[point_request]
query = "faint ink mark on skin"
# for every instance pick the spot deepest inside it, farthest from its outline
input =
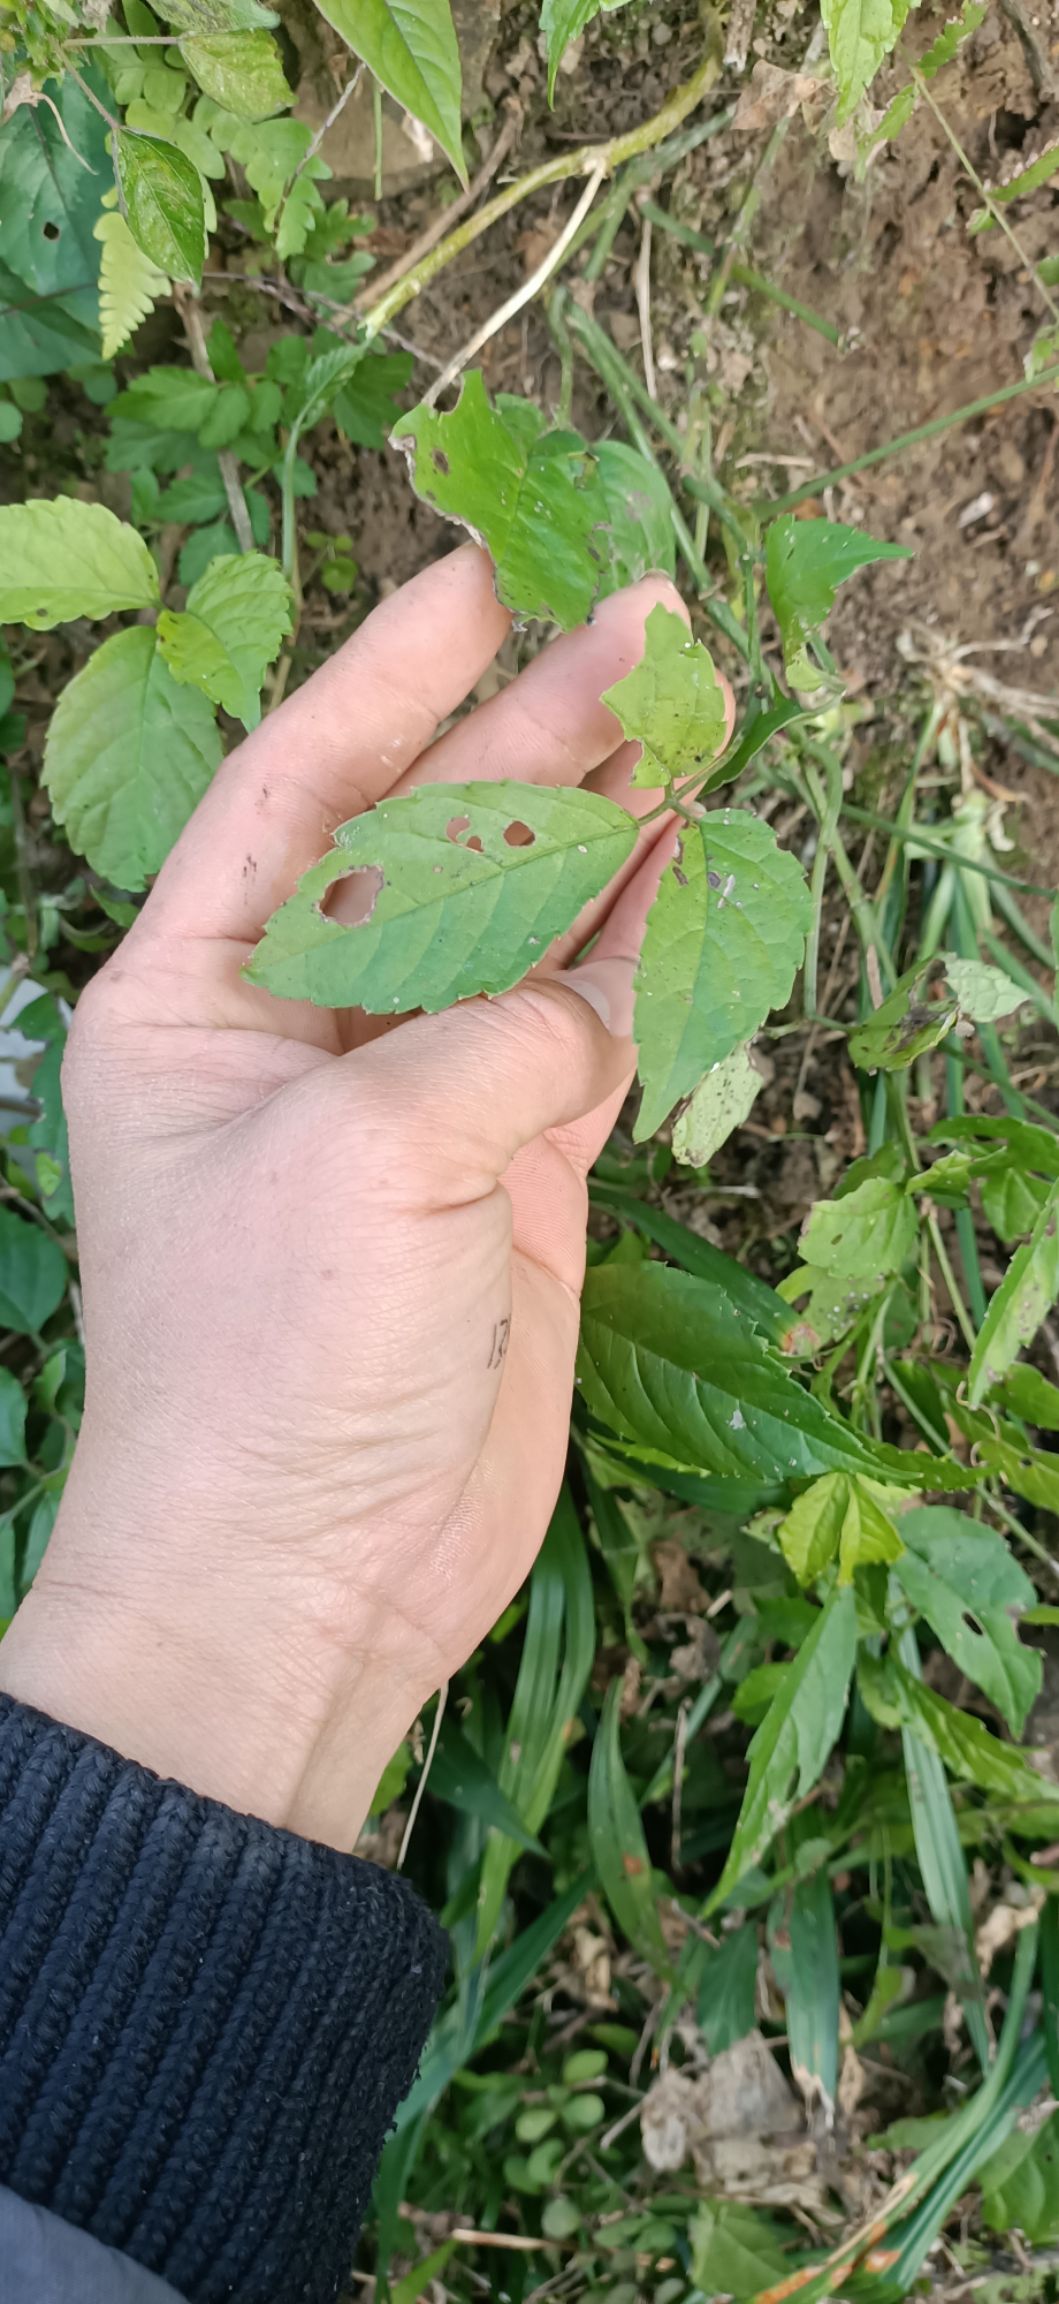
(499, 1345)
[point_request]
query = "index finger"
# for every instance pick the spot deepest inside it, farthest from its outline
(336, 746)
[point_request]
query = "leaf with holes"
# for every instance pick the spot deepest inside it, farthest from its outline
(61, 558)
(411, 47)
(805, 562)
(671, 704)
(163, 197)
(716, 1108)
(464, 887)
(564, 523)
(128, 755)
(53, 161)
(1025, 1296)
(852, 1246)
(789, 1752)
(236, 617)
(724, 938)
(962, 1578)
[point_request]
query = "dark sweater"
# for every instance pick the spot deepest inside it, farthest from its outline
(206, 2026)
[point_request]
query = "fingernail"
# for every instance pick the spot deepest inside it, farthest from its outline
(607, 985)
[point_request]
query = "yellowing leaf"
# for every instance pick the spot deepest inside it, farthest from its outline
(724, 938)
(805, 562)
(671, 703)
(129, 284)
(719, 1105)
(461, 887)
(61, 558)
(564, 523)
(411, 46)
(230, 632)
(164, 202)
(838, 1518)
(127, 757)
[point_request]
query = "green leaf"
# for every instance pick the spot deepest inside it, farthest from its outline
(851, 1246)
(984, 993)
(128, 756)
(803, 1942)
(684, 1378)
(565, 524)
(728, 1990)
(162, 192)
(671, 704)
(563, 21)
(243, 71)
(53, 161)
(1030, 1395)
(838, 1518)
(860, 33)
(366, 407)
(906, 1025)
(724, 938)
(33, 1274)
(230, 632)
(941, 52)
(1023, 1299)
(61, 558)
(456, 898)
(411, 47)
(962, 1578)
(129, 284)
(1020, 2185)
(789, 1752)
(970, 1753)
(615, 1837)
(942, 1863)
(460, 1776)
(1036, 172)
(214, 15)
(12, 1418)
(735, 2251)
(805, 562)
(717, 1107)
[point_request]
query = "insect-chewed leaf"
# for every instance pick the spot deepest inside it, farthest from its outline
(411, 46)
(724, 938)
(790, 1749)
(671, 703)
(805, 562)
(564, 523)
(128, 756)
(962, 1578)
(860, 34)
(464, 887)
(1026, 1293)
(61, 558)
(164, 203)
(851, 1247)
(984, 993)
(718, 1106)
(129, 284)
(223, 641)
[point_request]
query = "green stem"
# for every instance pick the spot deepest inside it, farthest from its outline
(768, 506)
(915, 834)
(745, 274)
(944, 1263)
(584, 161)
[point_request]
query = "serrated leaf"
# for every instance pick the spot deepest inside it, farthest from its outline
(1025, 180)
(724, 938)
(851, 1247)
(970, 1752)
(616, 1840)
(941, 52)
(457, 900)
(683, 1377)
(129, 284)
(242, 71)
(671, 704)
(236, 617)
(984, 993)
(718, 1106)
(33, 1274)
(163, 196)
(860, 33)
(269, 151)
(805, 562)
(789, 1752)
(563, 21)
(411, 47)
(838, 1518)
(60, 558)
(961, 1577)
(1015, 1312)
(564, 523)
(128, 755)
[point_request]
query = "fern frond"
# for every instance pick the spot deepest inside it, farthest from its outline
(129, 284)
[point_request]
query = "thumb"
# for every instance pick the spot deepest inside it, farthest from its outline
(480, 1082)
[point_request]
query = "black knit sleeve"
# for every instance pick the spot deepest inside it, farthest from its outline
(206, 2024)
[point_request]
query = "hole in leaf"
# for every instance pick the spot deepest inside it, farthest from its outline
(352, 900)
(440, 462)
(50, 230)
(971, 1624)
(518, 835)
(456, 827)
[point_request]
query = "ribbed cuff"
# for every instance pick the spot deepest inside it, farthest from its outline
(206, 2024)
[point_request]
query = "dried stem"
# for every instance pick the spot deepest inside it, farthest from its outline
(187, 305)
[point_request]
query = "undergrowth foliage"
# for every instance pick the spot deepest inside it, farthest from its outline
(861, 1478)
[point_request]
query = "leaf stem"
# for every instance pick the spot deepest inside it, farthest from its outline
(584, 161)
(191, 319)
(523, 295)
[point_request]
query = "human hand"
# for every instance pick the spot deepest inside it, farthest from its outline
(331, 1272)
